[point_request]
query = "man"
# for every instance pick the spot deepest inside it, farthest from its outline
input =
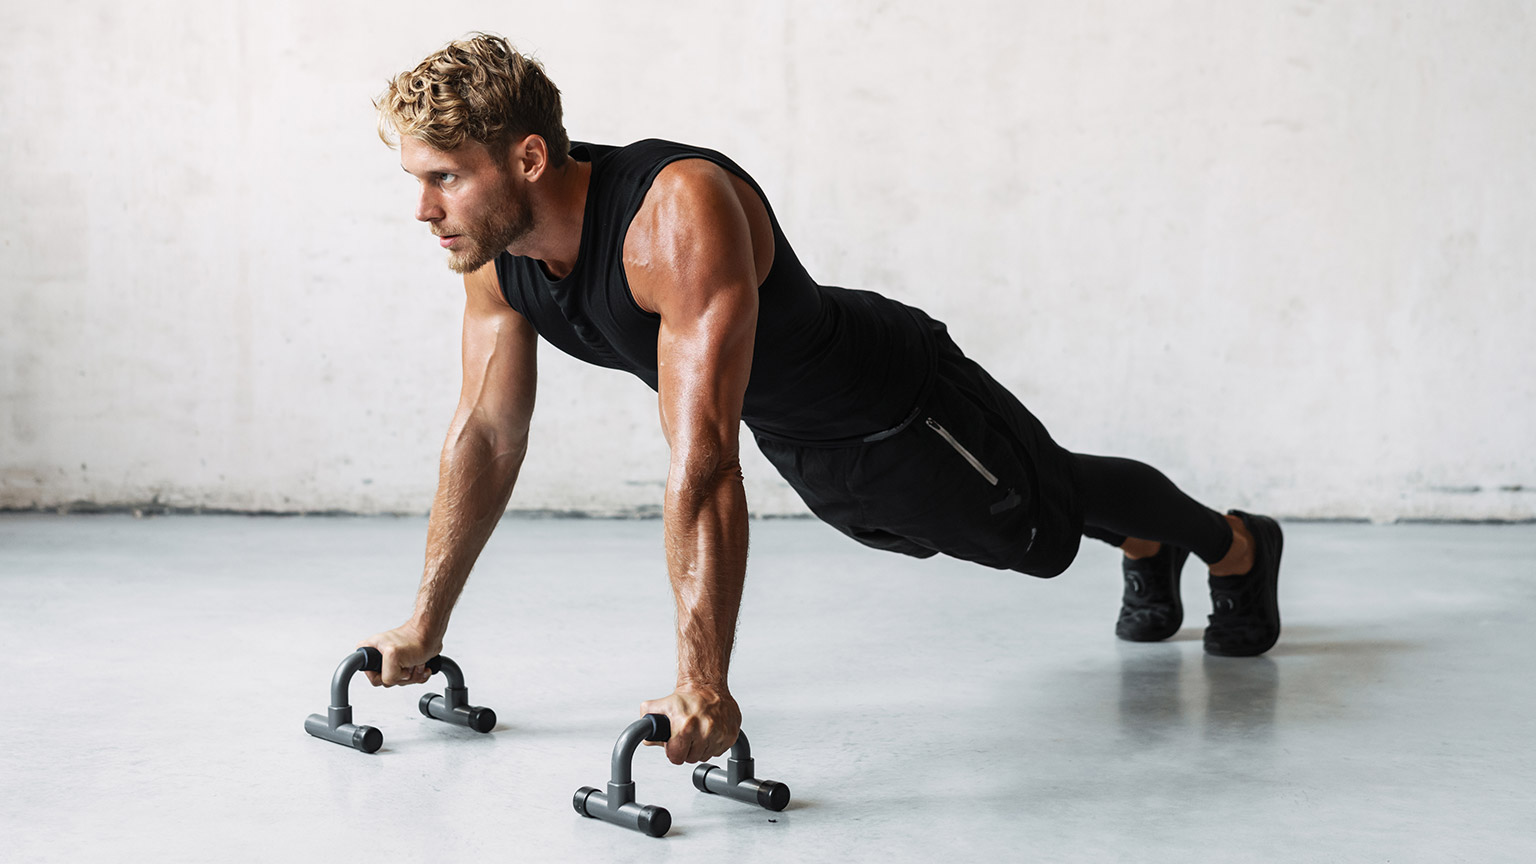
(666, 261)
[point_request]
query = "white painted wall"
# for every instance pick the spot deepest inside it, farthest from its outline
(1284, 251)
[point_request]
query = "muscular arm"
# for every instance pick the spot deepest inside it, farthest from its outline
(480, 461)
(690, 258)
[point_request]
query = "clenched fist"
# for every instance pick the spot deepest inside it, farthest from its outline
(405, 651)
(705, 722)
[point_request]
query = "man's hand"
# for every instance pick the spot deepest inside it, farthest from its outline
(705, 722)
(406, 651)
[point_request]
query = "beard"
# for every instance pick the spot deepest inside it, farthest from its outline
(484, 237)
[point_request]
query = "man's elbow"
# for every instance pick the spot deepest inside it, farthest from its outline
(511, 444)
(498, 443)
(701, 469)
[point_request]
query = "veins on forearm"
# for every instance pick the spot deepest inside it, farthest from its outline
(474, 484)
(706, 530)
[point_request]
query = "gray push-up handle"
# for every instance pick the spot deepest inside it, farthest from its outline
(451, 707)
(618, 806)
(736, 780)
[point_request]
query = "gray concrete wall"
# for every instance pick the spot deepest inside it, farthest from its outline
(1282, 250)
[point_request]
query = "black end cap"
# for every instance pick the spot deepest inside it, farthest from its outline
(482, 719)
(423, 706)
(368, 739)
(661, 730)
(655, 821)
(699, 774)
(435, 664)
(373, 660)
(580, 800)
(773, 795)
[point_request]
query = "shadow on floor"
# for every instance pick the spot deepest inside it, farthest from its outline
(1162, 689)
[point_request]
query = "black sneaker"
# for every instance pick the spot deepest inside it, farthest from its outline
(1246, 617)
(1150, 609)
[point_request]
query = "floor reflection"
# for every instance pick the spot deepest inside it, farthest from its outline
(1230, 696)
(1240, 695)
(1151, 702)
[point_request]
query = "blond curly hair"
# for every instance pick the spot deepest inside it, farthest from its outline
(478, 89)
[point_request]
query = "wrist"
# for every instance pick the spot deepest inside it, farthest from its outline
(704, 684)
(427, 632)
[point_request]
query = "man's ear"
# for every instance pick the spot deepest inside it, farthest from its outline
(528, 157)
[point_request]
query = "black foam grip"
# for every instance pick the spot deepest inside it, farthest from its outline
(373, 661)
(435, 664)
(661, 728)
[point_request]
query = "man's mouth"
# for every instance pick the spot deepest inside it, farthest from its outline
(447, 240)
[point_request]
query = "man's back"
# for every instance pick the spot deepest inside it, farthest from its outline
(829, 363)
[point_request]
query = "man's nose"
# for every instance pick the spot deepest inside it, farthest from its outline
(427, 209)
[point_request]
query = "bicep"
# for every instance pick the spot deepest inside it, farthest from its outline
(499, 360)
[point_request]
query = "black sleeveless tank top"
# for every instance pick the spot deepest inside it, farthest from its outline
(830, 365)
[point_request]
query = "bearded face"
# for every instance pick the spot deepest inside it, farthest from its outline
(501, 219)
(470, 198)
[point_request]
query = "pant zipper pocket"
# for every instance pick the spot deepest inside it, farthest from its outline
(975, 463)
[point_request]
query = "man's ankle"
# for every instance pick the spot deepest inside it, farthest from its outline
(1239, 559)
(1135, 548)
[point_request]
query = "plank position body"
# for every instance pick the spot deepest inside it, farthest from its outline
(667, 261)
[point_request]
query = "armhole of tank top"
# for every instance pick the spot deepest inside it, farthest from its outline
(645, 189)
(501, 260)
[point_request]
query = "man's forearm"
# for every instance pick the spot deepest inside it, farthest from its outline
(475, 481)
(706, 540)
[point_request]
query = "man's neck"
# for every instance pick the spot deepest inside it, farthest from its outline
(558, 211)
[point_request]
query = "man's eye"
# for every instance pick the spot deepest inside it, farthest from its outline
(445, 178)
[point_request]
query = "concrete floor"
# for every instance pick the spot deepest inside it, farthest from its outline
(161, 670)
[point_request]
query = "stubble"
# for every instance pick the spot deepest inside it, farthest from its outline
(485, 236)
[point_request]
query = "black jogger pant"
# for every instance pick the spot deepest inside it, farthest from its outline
(973, 474)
